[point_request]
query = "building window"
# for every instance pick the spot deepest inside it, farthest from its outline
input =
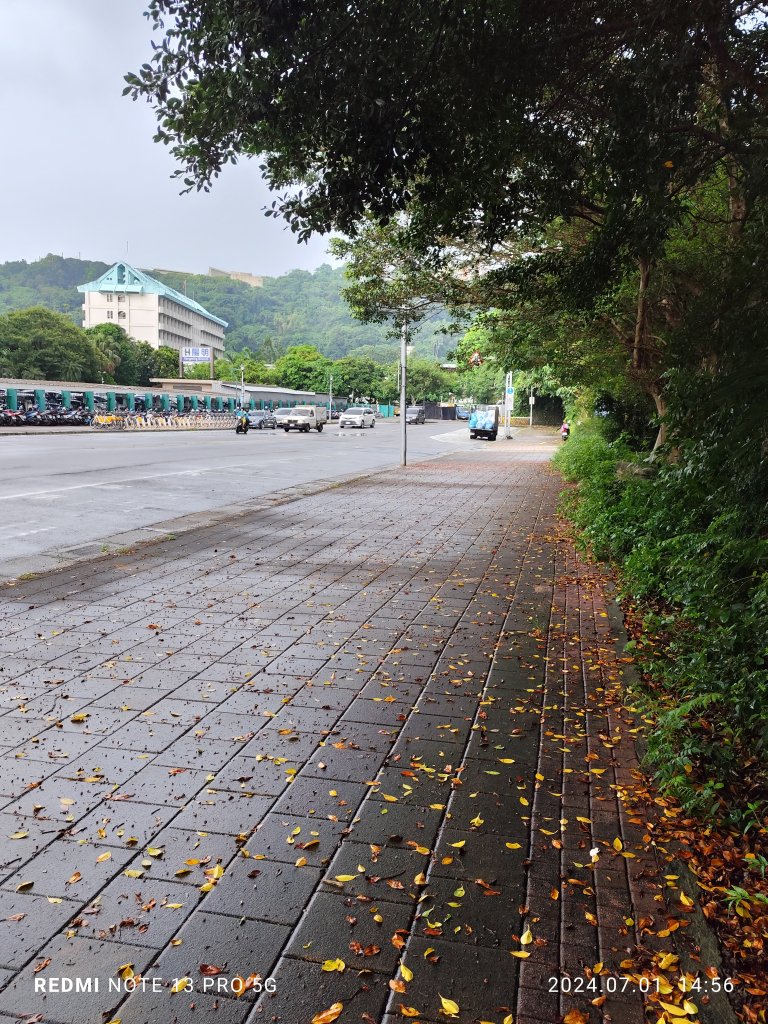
(110, 296)
(121, 298)
(121, 315)
(110, 314)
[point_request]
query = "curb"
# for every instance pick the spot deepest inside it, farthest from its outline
(26, 431)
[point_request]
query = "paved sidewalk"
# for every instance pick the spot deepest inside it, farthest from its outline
(367, 745)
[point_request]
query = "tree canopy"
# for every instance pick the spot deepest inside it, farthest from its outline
(501, 116)
(38, 343)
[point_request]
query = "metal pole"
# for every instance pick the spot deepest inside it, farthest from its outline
(242, 387)
(508, 408)
(403, 361)
(330, 398)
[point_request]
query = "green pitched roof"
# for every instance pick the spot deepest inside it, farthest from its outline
(125, 278)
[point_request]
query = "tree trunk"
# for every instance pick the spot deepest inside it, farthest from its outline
(661, 410)
(640, 353)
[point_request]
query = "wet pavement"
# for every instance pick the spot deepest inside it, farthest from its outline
(359, 757)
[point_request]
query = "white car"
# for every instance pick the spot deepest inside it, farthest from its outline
(358, 416)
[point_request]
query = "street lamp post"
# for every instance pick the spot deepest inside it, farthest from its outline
(330, 396)
(242, 387)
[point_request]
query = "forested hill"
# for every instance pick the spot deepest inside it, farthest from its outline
(298, 308)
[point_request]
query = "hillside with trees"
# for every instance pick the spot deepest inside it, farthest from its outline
(298, 308)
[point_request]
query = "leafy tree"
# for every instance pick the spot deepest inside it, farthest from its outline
(605, 134)
(165, 362)
(424, 380)
(111, 343)
(38, 343)
(482, 384)
(357, 378)
(611, 123)
(303, 368)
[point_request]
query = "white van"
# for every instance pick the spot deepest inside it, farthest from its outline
(304, 418)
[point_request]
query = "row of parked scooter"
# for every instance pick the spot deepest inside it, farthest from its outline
(51, 417)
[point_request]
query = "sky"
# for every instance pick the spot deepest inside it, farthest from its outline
(79, 172)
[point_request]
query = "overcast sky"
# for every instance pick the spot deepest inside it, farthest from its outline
(79, 173)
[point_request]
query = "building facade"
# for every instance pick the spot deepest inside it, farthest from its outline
(150, 311)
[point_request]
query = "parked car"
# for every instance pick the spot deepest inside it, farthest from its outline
(462, 414)
(261, 418)
(358, 416)
(415, 414)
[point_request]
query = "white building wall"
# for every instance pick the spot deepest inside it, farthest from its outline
(153, 318)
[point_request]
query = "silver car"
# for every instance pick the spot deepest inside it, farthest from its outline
(358, 416)
(281, 415)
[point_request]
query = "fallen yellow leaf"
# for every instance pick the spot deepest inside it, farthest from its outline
(329, 1015)
(675, 1011)
(334, 965)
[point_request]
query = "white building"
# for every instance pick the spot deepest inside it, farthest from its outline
(150, 311)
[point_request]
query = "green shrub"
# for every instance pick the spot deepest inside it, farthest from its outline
(692, 548)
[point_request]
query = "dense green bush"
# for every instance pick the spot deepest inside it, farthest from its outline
(692, 546)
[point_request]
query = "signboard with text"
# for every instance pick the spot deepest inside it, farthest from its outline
(191, 354)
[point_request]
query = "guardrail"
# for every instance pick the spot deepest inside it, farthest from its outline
(161, 421)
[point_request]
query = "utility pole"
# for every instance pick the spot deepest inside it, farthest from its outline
(330, 396)
(242, 387)
(403, 363)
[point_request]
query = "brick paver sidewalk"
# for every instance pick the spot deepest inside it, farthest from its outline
(367, 746)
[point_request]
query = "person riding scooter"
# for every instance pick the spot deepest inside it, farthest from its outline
(565, 430)
(243, 422)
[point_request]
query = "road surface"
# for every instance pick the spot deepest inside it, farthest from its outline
(59, 492)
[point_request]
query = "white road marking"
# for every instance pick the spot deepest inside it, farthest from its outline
(120, 484)
(28, 533)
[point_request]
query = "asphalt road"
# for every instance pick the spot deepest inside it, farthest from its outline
(60, 492)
